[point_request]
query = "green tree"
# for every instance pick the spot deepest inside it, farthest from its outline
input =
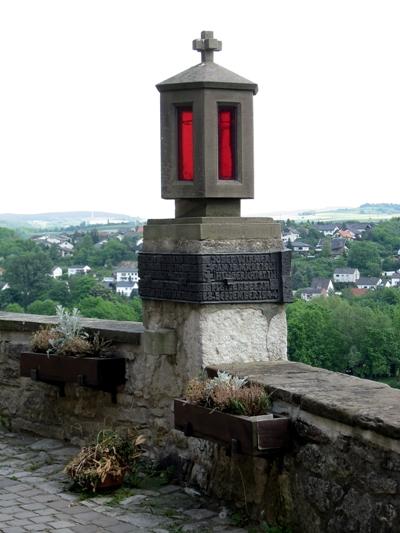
(42, 307)
(14, 308)
(27, 275)
(364, 255)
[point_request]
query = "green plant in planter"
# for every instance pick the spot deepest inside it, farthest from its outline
(228, 394)
(69, 338)
(104, 463)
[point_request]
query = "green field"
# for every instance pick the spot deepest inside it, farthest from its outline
(340, 215)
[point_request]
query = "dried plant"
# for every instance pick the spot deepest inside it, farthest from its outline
(229, 394)
(69, 338)
(196, 390)
(76, 346)
(43, 338)
(110, 456)
(99, 346)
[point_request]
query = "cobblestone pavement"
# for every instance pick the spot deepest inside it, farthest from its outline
(34, 496)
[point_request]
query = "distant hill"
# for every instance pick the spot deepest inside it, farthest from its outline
(365, 212)
(64, 219)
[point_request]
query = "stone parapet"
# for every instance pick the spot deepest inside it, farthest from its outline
(363, 405)
(341, 472)
(152, 379)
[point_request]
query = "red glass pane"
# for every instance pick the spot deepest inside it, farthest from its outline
(226, 143)
(185, 144)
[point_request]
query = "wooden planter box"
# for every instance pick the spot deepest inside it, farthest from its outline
(102, 373)
(250, 435)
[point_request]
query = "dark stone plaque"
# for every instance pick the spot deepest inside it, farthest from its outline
(216, 278)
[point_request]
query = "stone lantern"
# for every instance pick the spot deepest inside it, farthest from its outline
(219, 280)
(207, 136)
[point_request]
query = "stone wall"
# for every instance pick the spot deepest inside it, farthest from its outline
(341, 473)
(152, 379)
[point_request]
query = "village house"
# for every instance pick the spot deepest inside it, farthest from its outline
(125, 288)
(320, 287)
(327, 229)
(126, 274)
(56, 272)
(324, 284)
(290, 235)
(299, 246)
(358, 228)
(309, 293)
(395, 280)
(368, 283)
(66, 249)
(346, 275)
(78, 269)
(346, 234)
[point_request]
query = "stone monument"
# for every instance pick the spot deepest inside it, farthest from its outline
(218, 279)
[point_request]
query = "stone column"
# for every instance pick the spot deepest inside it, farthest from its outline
(212, 333)
(218, 279)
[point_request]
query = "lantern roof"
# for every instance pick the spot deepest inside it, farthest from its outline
(207, 74)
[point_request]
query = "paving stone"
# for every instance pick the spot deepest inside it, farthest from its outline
(121, 528)
(32, 506)
(39, 500)
(134, 500)
(46, 444)
(45, 498)
(20, 522)
(60, 524)
(144, 520)
(43, 519)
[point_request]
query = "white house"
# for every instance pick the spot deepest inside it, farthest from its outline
(309, 294)
(320, 287)
(395, 280)
(74, 270)
(327, 229)
(126, 274)
(56, 272)
(368, 283)
(290, 235)
(346, 275)
(66, 249)
(299, 246)
(323, 284)
(126, 288)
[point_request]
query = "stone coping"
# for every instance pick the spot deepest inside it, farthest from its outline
(116, 330)
(353, 401)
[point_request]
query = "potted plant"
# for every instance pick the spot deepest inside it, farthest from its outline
(230, 410)
(103, 464)
(66, 353)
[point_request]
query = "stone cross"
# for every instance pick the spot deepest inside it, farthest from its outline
(207, 45)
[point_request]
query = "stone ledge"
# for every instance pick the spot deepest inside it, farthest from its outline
(356, 402)
(118, 331)
(212, 228)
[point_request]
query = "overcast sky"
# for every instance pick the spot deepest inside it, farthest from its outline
(79, 111)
